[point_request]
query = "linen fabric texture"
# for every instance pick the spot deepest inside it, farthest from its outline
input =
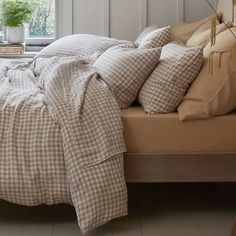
(145, 32)
(85, 46)
(183, 31)
(203, 37)
(125, 68)
(164, 133)
(61, 139)
(164, 90)
(214, 91)
(157, 38)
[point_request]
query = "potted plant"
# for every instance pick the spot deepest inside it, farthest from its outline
(14, 14)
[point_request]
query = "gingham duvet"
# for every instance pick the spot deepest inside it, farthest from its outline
(61, 139)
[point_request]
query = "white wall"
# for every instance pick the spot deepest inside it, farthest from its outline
(126, 18)
(197, 9)
(87, 16)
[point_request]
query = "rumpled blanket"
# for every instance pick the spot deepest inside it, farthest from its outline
(61, 139)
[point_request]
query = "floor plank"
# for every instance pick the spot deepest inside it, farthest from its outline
(154, 209)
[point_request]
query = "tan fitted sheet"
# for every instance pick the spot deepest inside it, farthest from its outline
(166, 134)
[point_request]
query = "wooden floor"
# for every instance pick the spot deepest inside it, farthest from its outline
(155, 210)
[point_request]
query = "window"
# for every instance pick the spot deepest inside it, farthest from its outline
(52, 19)
(42, 26)
(1, 27)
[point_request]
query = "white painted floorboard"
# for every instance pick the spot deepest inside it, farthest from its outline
(155, 210)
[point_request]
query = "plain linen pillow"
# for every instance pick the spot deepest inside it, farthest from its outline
(213, 94)
(157, 38)
(85, 46)
(145, 32)
(203, 37)
(182, 32)
(125, 68)
(165, 88)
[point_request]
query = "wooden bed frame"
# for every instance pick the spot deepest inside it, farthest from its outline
(208, 167)
(153, 168)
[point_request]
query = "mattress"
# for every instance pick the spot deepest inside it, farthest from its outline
(166, 134)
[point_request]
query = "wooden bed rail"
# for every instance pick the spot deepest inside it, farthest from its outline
(154, 168)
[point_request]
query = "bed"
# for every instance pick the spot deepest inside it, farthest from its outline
(62, 137)
(163, 149)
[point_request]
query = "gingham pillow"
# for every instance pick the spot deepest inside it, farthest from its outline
(164, 90)
(85, 46)
(145, 32)
(157, 38)
(125, 69)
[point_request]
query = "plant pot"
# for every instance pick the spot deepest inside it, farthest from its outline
(16, 34)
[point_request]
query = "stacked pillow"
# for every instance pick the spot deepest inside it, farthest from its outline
(156, 38)
(213, 93)
(203, 35)
(125, 68)
(145, 32)
(165, 88)
(182, 32)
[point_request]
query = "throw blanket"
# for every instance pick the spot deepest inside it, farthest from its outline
(61, 139)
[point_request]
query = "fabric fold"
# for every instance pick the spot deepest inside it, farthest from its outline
(62, 139)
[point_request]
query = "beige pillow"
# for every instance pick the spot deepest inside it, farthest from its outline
(182, 32)
(203, 37)
(224, 42)
(145, 32)
(205, 26)
(125, 69)
(157, 38)
(213, 94)
(165, 88)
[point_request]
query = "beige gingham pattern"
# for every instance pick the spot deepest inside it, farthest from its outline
(87, 47)
(125, 68)
(157, 38)
(164, 90)
(61, 139)
(145, 32)
(32, 169)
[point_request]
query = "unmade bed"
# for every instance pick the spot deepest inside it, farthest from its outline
(63, 135)
(61, 139)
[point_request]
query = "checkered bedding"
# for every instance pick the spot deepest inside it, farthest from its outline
(61, 139)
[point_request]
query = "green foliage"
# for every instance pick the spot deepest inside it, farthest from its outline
(16, 12)
(42, 23)
(1, 15)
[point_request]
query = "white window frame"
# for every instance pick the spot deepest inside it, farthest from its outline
(64, 23)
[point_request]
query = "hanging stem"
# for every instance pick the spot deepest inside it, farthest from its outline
(212, 7)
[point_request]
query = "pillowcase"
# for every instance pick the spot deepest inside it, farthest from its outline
(125, 68)
(145, 32)
(213, 93)
(182, 32)
(224, 42)
(203, 37)
(165, 88)
(87, 47)
(206, 26)
(157, 38)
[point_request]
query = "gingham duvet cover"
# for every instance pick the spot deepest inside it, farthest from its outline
(61, 139)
